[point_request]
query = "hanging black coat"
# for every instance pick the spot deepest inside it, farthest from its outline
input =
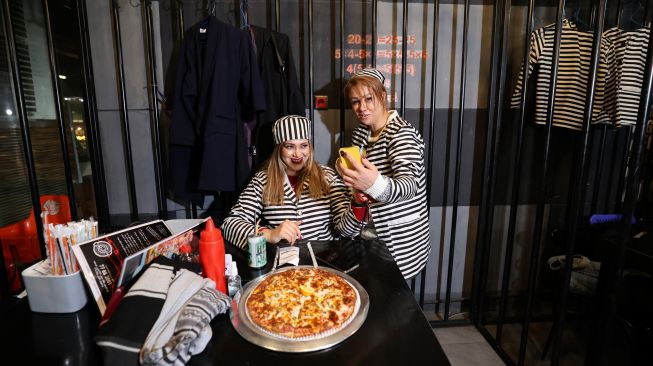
(218, 84)
(281, 85)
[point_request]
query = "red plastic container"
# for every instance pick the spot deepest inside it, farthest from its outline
(212, 255)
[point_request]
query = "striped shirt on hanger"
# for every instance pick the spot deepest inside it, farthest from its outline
(624, 88)
(572, 79)
(322, 219)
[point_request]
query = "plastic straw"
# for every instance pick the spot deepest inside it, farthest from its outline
(310, 250)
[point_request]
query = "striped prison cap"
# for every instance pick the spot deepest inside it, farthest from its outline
(291, 128)
(371, 72)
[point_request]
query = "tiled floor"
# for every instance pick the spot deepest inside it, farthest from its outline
(465, 346)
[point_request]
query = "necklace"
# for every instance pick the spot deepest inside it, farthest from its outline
(372, 138)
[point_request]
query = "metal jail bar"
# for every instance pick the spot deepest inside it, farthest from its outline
(341, 138)
(516, 176)
(596, 187)
(459, 149)
(432, 104)
(277, 15)
(497, 87)
(153, 87)
(124, 113)
(311, 91)
(632, 191)
(57, 108)
(404, 49)
(91, 118)
(495, 118)
(374, 30)
(576, 205)
(598, 174)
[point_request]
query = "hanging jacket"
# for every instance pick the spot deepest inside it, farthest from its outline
(282, 93)
(624, 88)
(573, 75)
(218, 84)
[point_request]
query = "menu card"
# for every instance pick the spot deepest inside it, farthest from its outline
(111, 260)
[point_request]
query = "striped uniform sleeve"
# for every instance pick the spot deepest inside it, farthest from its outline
(242, 218)
(406, 158)
(344, 222)
(537, 44)
(601, 112)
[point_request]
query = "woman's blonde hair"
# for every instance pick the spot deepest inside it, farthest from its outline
(371, 83)
(276, 172)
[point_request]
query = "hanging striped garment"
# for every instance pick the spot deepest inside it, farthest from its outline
(321, 219)
(572, 79)
(401, 221)
(624, 87)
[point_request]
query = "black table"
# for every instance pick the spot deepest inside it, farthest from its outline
(394, 333)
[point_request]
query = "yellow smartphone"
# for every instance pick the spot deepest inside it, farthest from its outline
(354, 152)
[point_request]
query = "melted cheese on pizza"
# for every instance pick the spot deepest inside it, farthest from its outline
(301, 302)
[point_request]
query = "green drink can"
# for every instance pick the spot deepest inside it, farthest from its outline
(257, 257)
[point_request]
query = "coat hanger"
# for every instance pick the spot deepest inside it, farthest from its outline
(575, 16)
(210, 8)
(632, 19)
(630, 4)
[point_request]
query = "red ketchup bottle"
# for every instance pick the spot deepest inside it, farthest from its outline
(212, 255)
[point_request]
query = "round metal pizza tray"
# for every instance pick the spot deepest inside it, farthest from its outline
(251, 332)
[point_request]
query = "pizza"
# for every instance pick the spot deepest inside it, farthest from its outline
(302, 302)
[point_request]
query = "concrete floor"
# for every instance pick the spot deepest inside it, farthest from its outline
(465, 346)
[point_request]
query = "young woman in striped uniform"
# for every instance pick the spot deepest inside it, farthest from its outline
(392, 178)
(293, 196)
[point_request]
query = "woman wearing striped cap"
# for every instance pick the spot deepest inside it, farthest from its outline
(392, 177)
(293, 196)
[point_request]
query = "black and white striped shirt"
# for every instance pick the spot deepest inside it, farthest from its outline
(322, 219)
(626, 73)
(573, 75)
(402, 220)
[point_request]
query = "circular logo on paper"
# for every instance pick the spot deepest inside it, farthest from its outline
(51, 207)
(102, 249)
